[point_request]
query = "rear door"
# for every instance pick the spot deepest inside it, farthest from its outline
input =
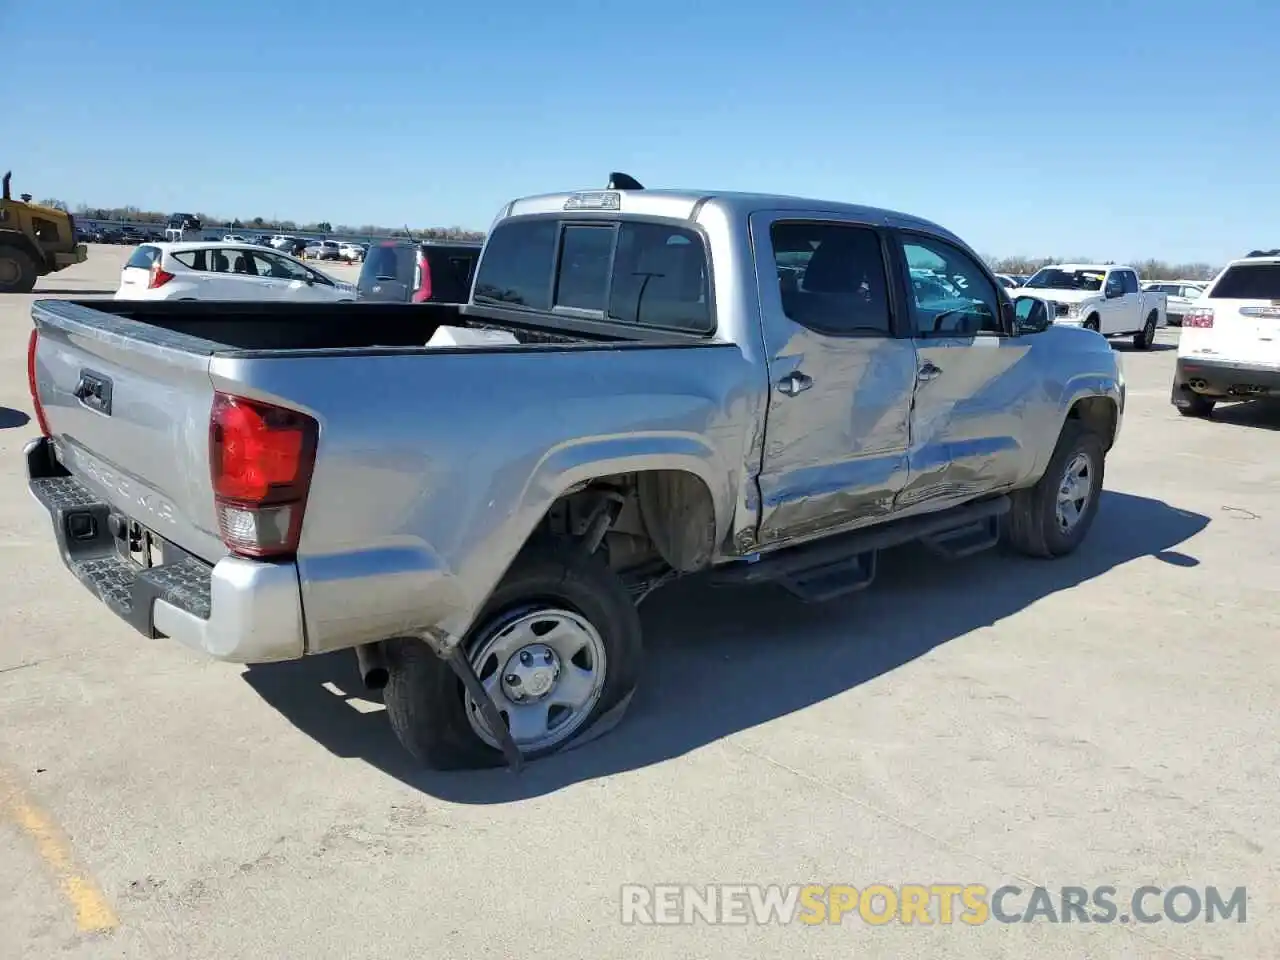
(841, 377)
(137, 270)
(387, 273)
(1246, 314)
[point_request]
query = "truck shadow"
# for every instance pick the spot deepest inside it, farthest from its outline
(724, 660)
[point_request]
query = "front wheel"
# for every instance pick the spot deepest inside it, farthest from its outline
(17, 271)
(556, 647)
(1092, 323)
(1052, 518)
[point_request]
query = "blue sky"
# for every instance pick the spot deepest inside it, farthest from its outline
(1119, 130)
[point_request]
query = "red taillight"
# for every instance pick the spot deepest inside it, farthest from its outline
(260, 458)
(32, 345)
(421, 279)
(158, 277)
(1201, 317)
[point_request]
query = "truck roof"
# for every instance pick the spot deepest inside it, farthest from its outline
(686, 204)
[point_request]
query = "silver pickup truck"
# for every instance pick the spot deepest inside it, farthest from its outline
(644, 384)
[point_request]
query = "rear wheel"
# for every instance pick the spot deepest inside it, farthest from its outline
(1193, 405)
(17, 271)
(556, 647)
(1144, 338)
(1052, 518)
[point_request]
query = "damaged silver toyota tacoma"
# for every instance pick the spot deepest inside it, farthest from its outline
(644, 384)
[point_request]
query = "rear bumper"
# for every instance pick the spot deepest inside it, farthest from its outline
(1224, 379)
(244, 611)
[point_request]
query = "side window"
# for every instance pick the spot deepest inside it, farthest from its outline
(516, 265)
(195, 259)
(951, 295)
(279, 268)
(832, 277)
(1115, 284)
(583, 278)
(1191, 293)
(660, 278)
(1130, 280)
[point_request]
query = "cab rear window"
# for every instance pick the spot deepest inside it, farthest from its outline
(647, 273)
(1248, 281)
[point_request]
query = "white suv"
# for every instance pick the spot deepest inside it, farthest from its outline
(1230, 343)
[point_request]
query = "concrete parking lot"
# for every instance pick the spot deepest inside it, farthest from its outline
(1107, 719)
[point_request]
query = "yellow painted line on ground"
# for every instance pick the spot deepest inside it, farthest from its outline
(93, 911)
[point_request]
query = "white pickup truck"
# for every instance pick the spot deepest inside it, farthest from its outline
(1106, 298)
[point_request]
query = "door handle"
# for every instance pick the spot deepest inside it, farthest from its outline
(928, 371)
(794, 383)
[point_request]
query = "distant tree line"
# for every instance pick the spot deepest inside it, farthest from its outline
(1147, 269)
(136, 215)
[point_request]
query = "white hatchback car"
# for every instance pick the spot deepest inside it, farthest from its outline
(224, 271)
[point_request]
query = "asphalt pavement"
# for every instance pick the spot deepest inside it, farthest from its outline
(1108, 719)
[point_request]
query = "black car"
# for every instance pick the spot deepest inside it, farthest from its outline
(426, 271)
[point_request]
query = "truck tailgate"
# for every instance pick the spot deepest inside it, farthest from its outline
(127, 407)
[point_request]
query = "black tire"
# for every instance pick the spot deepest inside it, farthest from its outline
(18, 271)
(1092, 323)
(1193, 405)
(425, 698)
(1032, 528)
(1144, 338)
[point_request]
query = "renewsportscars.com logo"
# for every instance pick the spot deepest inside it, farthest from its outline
(925, 904)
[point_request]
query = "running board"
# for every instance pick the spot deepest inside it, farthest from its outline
(834, 566)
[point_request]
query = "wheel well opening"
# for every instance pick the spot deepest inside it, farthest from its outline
(1098, 415)
(646, 520)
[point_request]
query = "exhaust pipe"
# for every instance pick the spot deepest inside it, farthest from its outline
(1197, 384)
(372, 664)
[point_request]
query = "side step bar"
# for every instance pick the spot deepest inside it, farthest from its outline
(835, 566)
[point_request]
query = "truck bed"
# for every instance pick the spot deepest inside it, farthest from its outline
(209, 327)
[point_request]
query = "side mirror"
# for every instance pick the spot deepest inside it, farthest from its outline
(1112, 293)
(1030, 315)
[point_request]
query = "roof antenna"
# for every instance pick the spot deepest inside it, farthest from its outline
(621, 181)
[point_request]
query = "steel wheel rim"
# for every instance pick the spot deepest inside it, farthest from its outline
(545, 670)
(1075, 491)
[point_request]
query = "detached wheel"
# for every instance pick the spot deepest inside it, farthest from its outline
(556, 647)
(1144, 338)
(17, 271)
(1052, 518)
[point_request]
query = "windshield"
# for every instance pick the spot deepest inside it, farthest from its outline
(1055, 278)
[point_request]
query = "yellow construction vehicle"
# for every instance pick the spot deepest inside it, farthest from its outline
(34, 240)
